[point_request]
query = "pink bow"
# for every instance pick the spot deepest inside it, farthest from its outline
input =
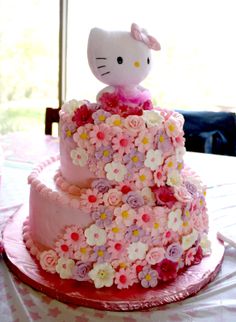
(141, 35)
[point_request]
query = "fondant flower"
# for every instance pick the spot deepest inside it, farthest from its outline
(81, 137)
(160, 221)
(48, 260)
(83, 115)
(148, 277)
(110, 102)
(155, 255)
(159, 177)
(134, 160)
(116, 248)
(134, 233)
(153, 159)
(182, 194)
(122, 142)
(83, 252)
(104, 153)
(114, 120)
(63, 248)
(79, 157)
(166, 269)
(133, 199)
(102, 216)
(74, 236)
(144, 141)
(112, 197)
(67, 130)
(189, 240)
(198, 256)
(175, 220)
(205, 245)
(115, 171)
(116, 231)
(95, 235)
(164, 143)
(145, 216)
(179, 153)
(174, 252)
(65, 267)
(102, 275)
(100, 254)
(148, 196)
(124, 215)
(72, 105)
(81, 270)
(90, 199)
(134, 124)
(169, 236)
(100, 116)
(174, 178)
(153, 118)
(137, 250)
(100, 135)
(143, 178)
(189, 256)
(164, 196)
(173, 127)
(124, 278)
(101, 185)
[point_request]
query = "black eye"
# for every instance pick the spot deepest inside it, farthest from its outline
(119, 60)
(148, 60)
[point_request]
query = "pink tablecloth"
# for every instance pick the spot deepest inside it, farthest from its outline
(217, 302)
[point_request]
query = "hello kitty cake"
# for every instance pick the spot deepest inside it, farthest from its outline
(118, 207)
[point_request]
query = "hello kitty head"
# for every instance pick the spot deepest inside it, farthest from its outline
(121, 58)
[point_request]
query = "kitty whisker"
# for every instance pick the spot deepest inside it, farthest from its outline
(100, 57)
(105, 73)
(102, 66)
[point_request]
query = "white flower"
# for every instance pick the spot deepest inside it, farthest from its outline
(79, 157)
(115, 171)
(154, 158)
(102, 275)
(205, 243)
(95, 235)
(65, 267)
(72, 105)
(179, 153)
(137, 250)
(152, 118)
(174, 220)
(174, 178)
(189, 240)
(148, 196)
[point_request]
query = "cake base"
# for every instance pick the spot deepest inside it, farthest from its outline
(70, 291)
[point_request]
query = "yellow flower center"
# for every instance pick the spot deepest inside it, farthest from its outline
(103, 216)
(115, 230)
(122, 265)
(106, 153)
(100, 253)
(148, 277)
(180, 166)
(101, 118)
(171, 127)
(102, 274)
(145, 140)
(156, 225)
(135, 232)
(125, 214)
(187, 213)
(185, 224)
(142, 177)
(84, 136)
(83, 250)
(161, 138)
(117, 122)
(170, 164)
(135, 159)
(68, 133)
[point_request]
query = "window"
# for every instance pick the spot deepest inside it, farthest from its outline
(28, 62)
(196, 68)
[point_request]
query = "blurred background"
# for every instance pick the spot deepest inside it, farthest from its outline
(43, 54)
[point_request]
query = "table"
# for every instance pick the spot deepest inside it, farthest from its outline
(20, 303)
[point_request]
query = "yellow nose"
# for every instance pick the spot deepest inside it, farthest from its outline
(137, 64)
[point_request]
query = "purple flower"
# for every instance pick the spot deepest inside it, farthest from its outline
(134, 233)
(67, 130)
(174, 252)
(133, 199)
(164, 142)
(100, 254)
(102, 216)
(104, 153)
(134, 160)
(100, 116)
(191, 187)
(81, 270)
(148, 277)
(102, 185)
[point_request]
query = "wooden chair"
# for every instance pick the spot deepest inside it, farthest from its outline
(51, 116)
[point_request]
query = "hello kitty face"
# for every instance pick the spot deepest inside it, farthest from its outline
(118, 59)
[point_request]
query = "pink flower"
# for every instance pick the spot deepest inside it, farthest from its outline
(63, 248)
(134, 124)
(100, 135)
(124, 278)
(117, 249)
(165, 196)
(90, 199)
(159, 222)
(182, 194)
(159, 177)
(81, 137)
(83, 252)
(190, 255)
(74, 236)
(82, 116)
(112, 198)
(155, 255)
(175, 219)
(144, 141)
(114, 120)
(110, 102)
(169, 236)
(166, 270)
(145, 216)
(48, 261)
(143, 178)
(148, 196)
(174, 126)
(116, 232)
(122, 143)
(100, 116)
(125, 215)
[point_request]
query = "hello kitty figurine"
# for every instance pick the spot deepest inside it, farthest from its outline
(122, 60)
